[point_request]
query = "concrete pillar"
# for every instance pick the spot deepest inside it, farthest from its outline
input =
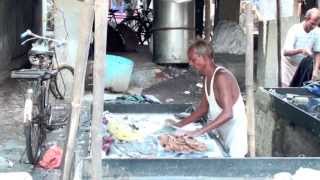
(229, 10)
(265, 123)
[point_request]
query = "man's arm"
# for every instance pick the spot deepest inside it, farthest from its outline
(224, 90)
(292, 52)
(200, 111)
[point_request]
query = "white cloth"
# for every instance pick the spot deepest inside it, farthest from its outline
(234, 131)
(297, 38)
(15, 176)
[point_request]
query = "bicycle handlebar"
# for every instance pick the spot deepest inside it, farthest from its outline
(34, 36)
(25, 34)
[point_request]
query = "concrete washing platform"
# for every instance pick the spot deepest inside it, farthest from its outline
(260, 168)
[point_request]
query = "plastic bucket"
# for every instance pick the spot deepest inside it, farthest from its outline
(118, 72)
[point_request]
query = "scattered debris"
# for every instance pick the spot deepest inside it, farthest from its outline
(162, 76)
(5, 163)
(169, 100)
(157, 70)
(187, 92)
(301, 174)
(199, 85)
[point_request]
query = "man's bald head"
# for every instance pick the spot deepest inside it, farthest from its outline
(312, 19)
(312, 13)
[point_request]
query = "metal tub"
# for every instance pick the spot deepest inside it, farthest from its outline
(293, 113)
(288, 123)
(173, 28)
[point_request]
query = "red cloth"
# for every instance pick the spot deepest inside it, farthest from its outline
(52, 158)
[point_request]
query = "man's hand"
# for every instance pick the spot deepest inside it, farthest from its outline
(306, 52)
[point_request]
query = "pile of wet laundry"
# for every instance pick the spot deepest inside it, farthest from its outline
(181, 143)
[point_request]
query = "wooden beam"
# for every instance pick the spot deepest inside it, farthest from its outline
(101, 9)
(279, 41)
(86, 21)
(208, 21)
(250, 80)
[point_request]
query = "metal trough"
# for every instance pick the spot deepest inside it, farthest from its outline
(293, 113)
(176, 169)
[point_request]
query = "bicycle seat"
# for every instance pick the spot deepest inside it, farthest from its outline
(112, 11)
(29, 74)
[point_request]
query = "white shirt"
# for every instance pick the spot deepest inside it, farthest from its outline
(298, 38)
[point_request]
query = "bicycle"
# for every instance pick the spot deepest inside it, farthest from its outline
(120, 36)
(44, 79)
(141, 23)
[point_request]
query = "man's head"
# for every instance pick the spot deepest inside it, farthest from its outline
(312, 19)
(200, 55)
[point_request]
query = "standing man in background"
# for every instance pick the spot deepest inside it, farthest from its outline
(302, 47)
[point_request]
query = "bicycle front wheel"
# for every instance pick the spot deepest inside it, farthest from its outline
(32, 127)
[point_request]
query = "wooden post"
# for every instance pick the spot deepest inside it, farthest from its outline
(86, 20)
(101, 9)
(250, 80)
(279, 41)
(297, 8)
(208, 21)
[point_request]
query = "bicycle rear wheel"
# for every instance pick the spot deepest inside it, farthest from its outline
(59, 87)
(135, 24)
(33, 129)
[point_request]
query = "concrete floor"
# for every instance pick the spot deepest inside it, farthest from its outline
(12, 140)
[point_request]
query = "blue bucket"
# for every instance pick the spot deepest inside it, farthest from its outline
(118, 71)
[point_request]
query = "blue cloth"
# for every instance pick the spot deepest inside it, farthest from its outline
(313, 88)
